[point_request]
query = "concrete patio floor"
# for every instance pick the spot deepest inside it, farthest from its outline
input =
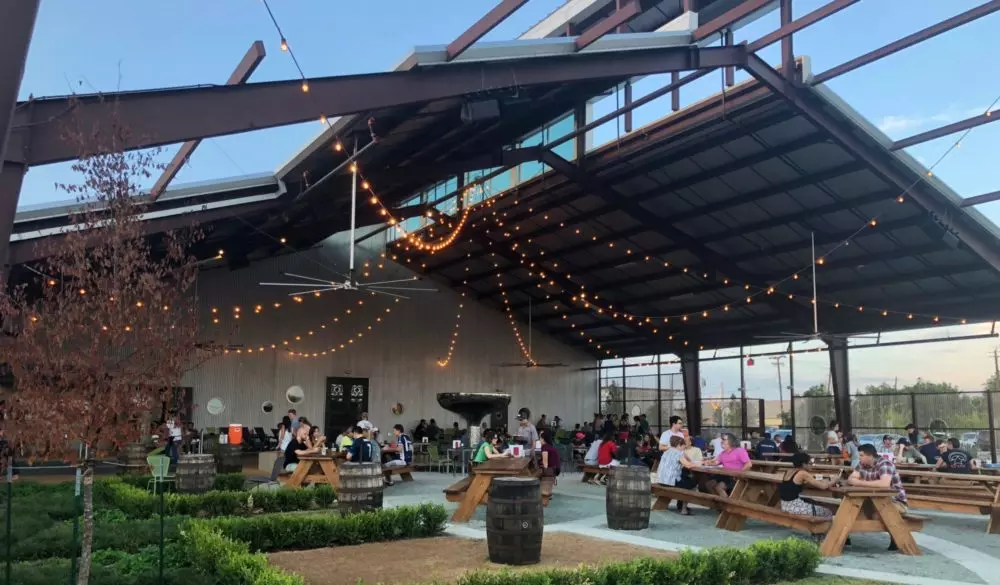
(956, 547)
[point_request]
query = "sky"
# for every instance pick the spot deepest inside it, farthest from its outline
(84, 47)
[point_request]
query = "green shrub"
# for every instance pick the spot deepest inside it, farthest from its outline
(223, 481)
(55, 571)
(138, 503)
(303, 531)
(127, 537)
(228, 561)
(758, 564)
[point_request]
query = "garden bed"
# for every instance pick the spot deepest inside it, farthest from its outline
(443, 559)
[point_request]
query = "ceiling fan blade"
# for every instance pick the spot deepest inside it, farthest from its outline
(370, 287)
(412, 279)
(320, 280)
(511, 365)
(382, 292)
(551, 366)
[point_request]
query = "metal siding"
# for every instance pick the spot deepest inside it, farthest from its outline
(399, 357)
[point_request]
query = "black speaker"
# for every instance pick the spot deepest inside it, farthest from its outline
(480, 111)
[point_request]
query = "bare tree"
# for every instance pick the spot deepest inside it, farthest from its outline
(100, 329)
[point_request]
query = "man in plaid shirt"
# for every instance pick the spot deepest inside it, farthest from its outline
(878, 472)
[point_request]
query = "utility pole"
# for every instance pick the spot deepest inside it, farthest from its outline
(778, 361)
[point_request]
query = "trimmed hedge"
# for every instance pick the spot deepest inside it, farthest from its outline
(232, 482)
(129, 536)
(304, 531)
(138, 503)
(761, 563)
(230, 562)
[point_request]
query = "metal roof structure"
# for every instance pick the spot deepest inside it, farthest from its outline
(689, 231)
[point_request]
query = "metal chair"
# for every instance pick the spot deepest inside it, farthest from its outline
(434, 458)
(160, 467)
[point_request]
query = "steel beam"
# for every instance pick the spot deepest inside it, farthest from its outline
(787, 52)
(980, 199)
(729, 18)
(248, 64)
(882, 163)
(691, 375)
(909, 40)
(618, 18)
(174, 115)
(953, 128)
(11, 175)
(795, 26)
(484, 25)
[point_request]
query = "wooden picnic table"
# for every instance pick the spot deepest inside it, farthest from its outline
(776, 466)
(859, 509)
(317, 469)
(473, 490)
(963, 493)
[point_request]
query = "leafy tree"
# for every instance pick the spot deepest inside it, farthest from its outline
(920, 387)
(614, 398)
(817, 390)
(106, 324)
(786, 419)
(992, 384)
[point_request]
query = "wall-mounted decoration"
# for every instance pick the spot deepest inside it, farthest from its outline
(295, 394)
(215, 407)
(267, 407)
(397, 409)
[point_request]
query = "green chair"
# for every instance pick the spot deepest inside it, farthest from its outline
(434, 458)
(160, 467)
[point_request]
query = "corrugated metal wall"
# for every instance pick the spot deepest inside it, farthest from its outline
(399, 356)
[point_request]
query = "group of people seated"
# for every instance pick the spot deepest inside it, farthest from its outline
(497, 444)
(947, 455)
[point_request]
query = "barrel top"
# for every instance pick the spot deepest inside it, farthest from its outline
(516, 480)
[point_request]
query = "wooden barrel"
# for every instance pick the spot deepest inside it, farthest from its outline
(133, 459)
(229, 458)
(514, 516)
(361, 486)
(195, 473)
(628, 498)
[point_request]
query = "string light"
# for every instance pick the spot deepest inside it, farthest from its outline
(443, 362)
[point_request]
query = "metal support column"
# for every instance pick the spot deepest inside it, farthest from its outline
(624, 391)
(11, 175)
(791, 387)
(659, 394)
(743, 398)
(840, 375)
(580, 142)
(787, 52)
(628, 102)
(691, 373)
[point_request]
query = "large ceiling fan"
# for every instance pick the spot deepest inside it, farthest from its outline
(530, 363)
(816, 333)
(311, 285)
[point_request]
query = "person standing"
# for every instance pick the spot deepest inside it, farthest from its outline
(175, 436)
(851, 449)
(527, 434)
(676, 430)
(833, 446)
(294, 417)
(364, 423)
(551, 463)
(542, 424)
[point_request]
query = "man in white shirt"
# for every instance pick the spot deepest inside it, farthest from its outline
(526, 434)
(364, 423)
(591, 457)
(717, 444)
(676, 430)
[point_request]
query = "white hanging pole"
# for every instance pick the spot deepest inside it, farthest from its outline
(354, 199)
(812, 243)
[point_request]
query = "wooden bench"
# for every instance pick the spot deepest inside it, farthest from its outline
(590, 471)
(812, 524)
(456, 491)
(547, 483)
(665, 494)
(405, 473)
(967, 505)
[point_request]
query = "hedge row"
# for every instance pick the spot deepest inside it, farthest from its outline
(138, 503)
(304, 531)
(761, 563)
(223, 481)
(128, 536)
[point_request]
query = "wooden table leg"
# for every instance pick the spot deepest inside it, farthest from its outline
(473, 496)
(840, 529)
(299, 475)
(331, 473)
(737, 494)
(661, 503)
(754, 493)
(895, 526)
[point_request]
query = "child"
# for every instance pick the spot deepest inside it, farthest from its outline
(606, 458)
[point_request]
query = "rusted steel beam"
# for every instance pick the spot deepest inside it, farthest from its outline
(803, 100)
(248, 64)
(483, 26)
(787, 52)
(174, 115)
(618, 18)
(628, 102)
(796, 25)
(909, 40)
(728, 19)
(961, 125)
(730, 72)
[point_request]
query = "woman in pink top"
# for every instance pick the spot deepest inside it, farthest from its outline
(732, 458)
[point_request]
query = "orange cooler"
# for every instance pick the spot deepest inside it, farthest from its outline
(235, 434)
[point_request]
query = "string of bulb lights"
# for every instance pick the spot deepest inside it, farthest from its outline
(453, 341)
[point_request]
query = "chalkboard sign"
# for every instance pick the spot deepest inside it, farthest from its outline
(346, 399)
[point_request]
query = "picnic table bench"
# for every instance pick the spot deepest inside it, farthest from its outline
(404, 472)
(314, 469)
(858, 509)
(665, 494)
(961, 493)
(473, 490)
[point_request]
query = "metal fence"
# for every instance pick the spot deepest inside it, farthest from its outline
(969, 417)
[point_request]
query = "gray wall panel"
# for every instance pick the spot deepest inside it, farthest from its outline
(399, 357)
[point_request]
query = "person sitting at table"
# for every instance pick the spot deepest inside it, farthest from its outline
(551, 462)
(673, 470)
(489, 448)
(591, 456)
(606, 458)
(402, 452)
(908, 453)
(955, 459)
(732, 458)
(347, 438)
(693, 447)
(833, 438)
(929, 449)
(875, 471)
(315, 438)
(788, 445)
(297, 447)
(421, 431)
(362, 449)
(886, 448)
(766, 446)
(790, 489)
(433, 430)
